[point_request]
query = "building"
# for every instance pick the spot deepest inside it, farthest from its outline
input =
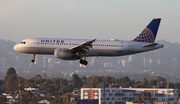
(50, 63)
(33, 90)
(45, 62)
(86, 101)
(119, 95)
(43, 102)
(32, 66)
(39, 62)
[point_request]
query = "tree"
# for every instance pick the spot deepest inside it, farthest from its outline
(94, 80)
(109, 80)
(46, 86)
(66, 98)
(127, 100)
(3, 99)
(21, 82)
(29, 83)
(138, 99)
(37, 78)
(146, 95)
(160, 79)
(63, 82)
(125, 81)
(62, 90)
(10, 71)
(11, 82)
(145, 82)
(152, 82)
(76, 81)
(11, 79)
(54, 101)
(84, 79)
(56, 83)
(149, 97)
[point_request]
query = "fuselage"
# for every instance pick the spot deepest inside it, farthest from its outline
(73, 49)
(111, 47)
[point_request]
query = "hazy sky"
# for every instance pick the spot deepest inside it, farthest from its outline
(100, 19)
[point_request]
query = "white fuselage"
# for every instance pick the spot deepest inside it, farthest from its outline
(99, 48)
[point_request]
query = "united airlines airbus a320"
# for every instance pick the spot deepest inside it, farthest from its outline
(79, 49)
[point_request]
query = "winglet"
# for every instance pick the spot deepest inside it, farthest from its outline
(150, 32)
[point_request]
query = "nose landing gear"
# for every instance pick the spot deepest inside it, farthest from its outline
(33, 58)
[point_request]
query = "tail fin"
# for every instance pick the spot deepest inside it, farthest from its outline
(150, 32)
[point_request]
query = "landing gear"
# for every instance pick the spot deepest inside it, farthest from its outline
(33, 58)
(84, 62)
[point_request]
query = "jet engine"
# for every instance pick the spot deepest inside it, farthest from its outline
(65, 54)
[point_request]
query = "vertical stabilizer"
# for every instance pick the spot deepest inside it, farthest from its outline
(150, 32)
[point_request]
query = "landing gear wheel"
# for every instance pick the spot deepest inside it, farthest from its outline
(84, 62)
(33, 58)
(81, 61)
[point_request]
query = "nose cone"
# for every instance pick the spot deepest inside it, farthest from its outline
(17, 48)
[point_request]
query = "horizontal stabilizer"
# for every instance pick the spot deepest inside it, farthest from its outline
(149, 45)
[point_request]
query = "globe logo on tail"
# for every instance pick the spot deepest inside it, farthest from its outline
(145, 36)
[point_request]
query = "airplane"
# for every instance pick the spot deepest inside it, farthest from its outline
(80, 49)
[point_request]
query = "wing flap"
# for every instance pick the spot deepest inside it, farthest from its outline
(84, 47)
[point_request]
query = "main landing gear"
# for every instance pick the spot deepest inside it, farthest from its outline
(33, 58)
(83, 61)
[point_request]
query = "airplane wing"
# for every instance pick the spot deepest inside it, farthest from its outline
(84, 47)
(150, 45)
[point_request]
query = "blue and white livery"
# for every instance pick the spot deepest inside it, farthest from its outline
(74, 49)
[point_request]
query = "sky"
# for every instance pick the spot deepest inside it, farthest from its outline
(87, 19)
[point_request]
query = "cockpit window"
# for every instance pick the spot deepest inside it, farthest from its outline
(23, 42)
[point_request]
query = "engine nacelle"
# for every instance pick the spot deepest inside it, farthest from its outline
(65, 54)
(58, 53)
